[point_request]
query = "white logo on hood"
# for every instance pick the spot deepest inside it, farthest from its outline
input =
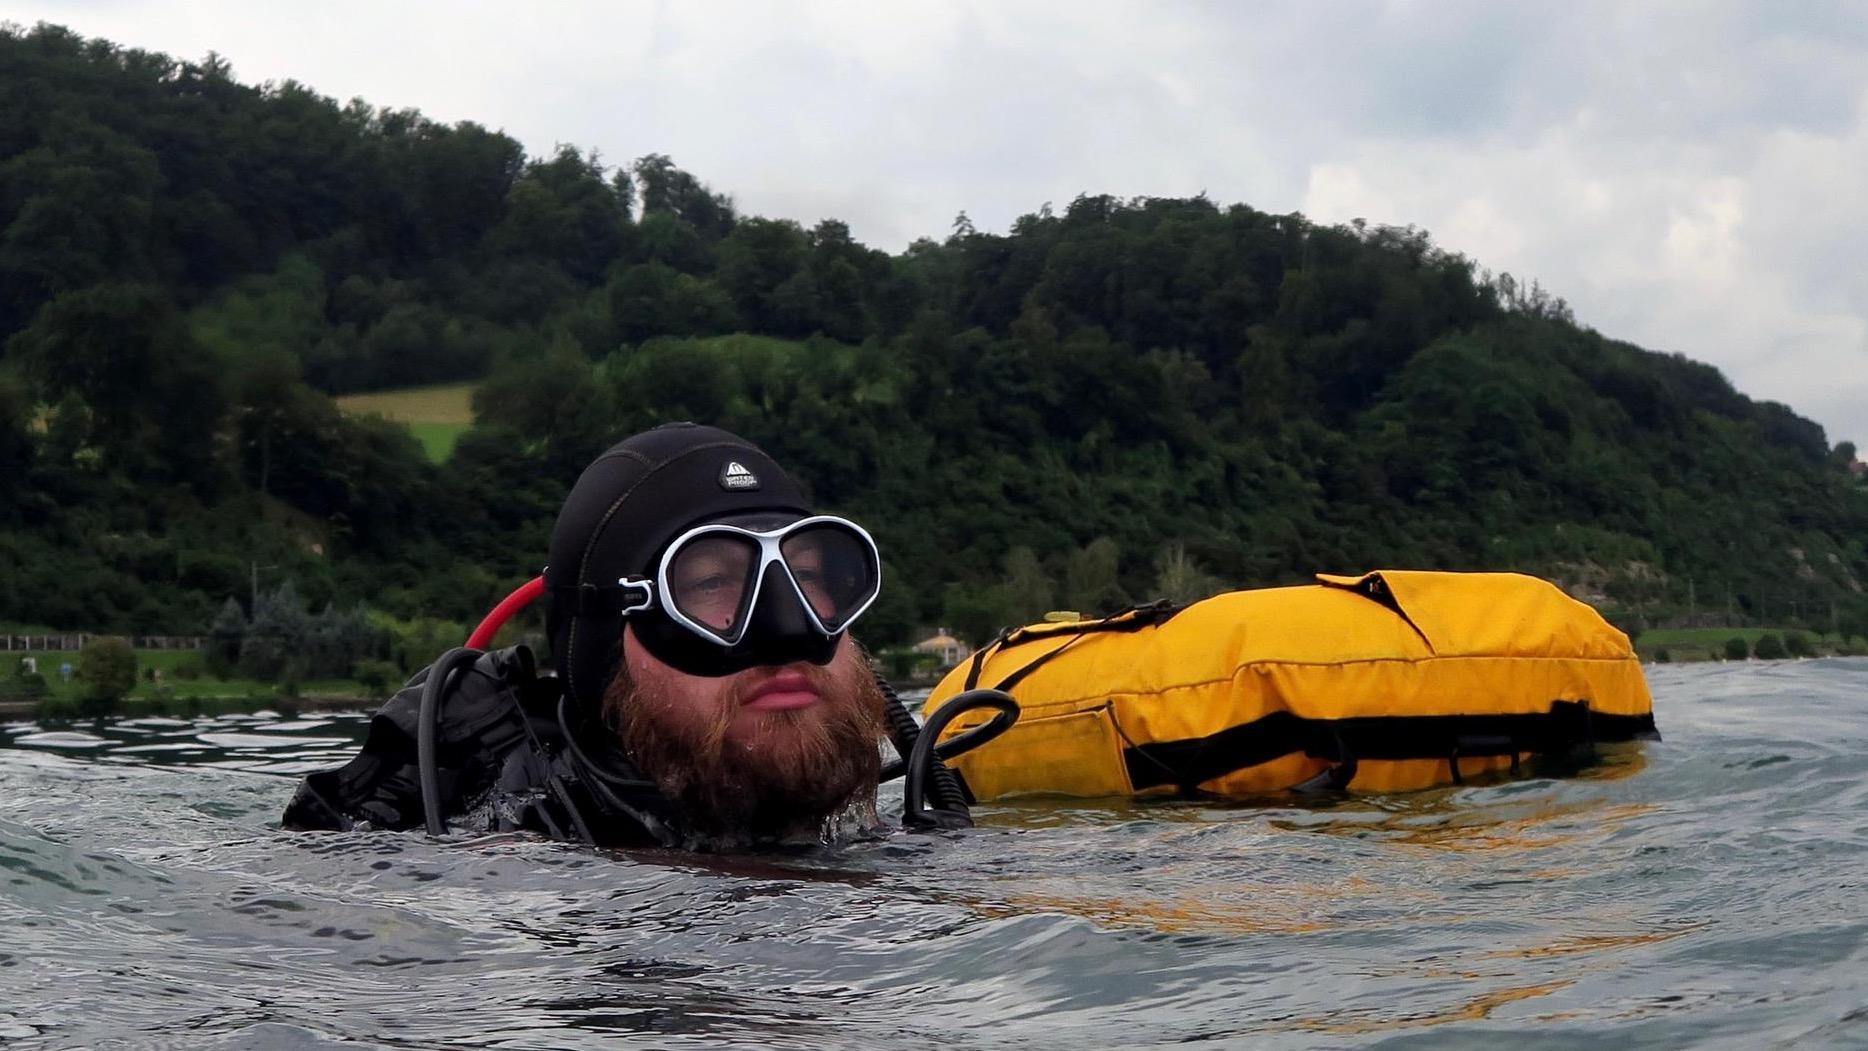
(736, 476)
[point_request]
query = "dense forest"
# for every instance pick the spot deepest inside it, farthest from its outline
(1114, 400)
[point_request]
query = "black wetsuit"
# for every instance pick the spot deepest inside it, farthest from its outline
(506, 761)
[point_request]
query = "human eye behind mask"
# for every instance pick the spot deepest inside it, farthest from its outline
(834, 569)
(709, 582)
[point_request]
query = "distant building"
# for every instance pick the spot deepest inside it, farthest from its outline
(1858, 469)
(945, 648)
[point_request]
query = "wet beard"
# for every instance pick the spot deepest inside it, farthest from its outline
(807, 775)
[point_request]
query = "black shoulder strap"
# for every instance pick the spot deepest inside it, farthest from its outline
(1135, 618)
(979, 658)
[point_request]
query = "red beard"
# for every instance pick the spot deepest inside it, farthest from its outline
(739, 776)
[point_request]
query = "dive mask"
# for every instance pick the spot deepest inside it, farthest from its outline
(728, 597)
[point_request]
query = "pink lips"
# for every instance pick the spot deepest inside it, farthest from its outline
(782, 692)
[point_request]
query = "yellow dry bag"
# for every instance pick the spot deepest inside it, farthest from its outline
(1390, 681)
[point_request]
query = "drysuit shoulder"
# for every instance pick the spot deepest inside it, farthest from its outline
(482, 721)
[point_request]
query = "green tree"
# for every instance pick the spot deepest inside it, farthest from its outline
(975, 614)
(754, 261)
(278, 638)
(269, 404)
(78, 213)
(669, 191)
(18, 446)
(123, 350)
(895, 615)
(1092, 584)
(340, 639)
(555, 403)
(225, 638)
(107, 671)
(1028, 589)
(565, 210)
(1179, 579)
(654, 299)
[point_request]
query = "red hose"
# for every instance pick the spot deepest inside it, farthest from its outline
(503, 612)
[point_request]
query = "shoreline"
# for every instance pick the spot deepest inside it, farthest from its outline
(24, 711)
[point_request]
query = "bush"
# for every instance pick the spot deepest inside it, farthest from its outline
(58, 708)
(378, 678)
(905, 663)
(24, 687)
(1769, 648)
(339, 638)
(1736, 650)
(415, 645)
(218, 666)
(1661, 656)
(1797, 644)
(106, 671)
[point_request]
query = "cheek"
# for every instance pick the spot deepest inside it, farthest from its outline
(680, 698)
(848, 666)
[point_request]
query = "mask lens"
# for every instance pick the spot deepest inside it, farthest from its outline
(710, 580)
(835, 568)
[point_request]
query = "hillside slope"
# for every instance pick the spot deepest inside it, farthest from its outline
(1124, 398)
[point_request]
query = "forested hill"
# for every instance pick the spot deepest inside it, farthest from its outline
(1116, 399)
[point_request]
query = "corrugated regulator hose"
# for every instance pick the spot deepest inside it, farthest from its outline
(433, 690)
(924, 774)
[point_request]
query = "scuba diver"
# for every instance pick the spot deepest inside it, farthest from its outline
(706, 692)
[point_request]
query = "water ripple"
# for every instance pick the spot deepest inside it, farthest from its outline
(1711, 890)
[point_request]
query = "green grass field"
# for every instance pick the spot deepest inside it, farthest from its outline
(438, 438)
(176, 692)
(436, 415)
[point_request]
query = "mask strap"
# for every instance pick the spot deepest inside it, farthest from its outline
(608, 600)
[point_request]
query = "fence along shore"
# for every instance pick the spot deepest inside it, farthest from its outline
(77, 642)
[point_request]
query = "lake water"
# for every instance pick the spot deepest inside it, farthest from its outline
(1708, 890)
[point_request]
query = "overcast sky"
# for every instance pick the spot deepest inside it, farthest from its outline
(1689, 176)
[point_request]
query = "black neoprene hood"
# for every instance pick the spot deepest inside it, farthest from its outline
(624, 510)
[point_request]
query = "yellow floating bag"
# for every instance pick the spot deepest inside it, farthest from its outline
(1391, 681)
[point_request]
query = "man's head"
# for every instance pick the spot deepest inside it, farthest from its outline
(701, 611)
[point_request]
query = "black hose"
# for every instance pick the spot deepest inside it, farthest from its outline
(904, 732)
(433, 691)
(924, 759)
(902, 729)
